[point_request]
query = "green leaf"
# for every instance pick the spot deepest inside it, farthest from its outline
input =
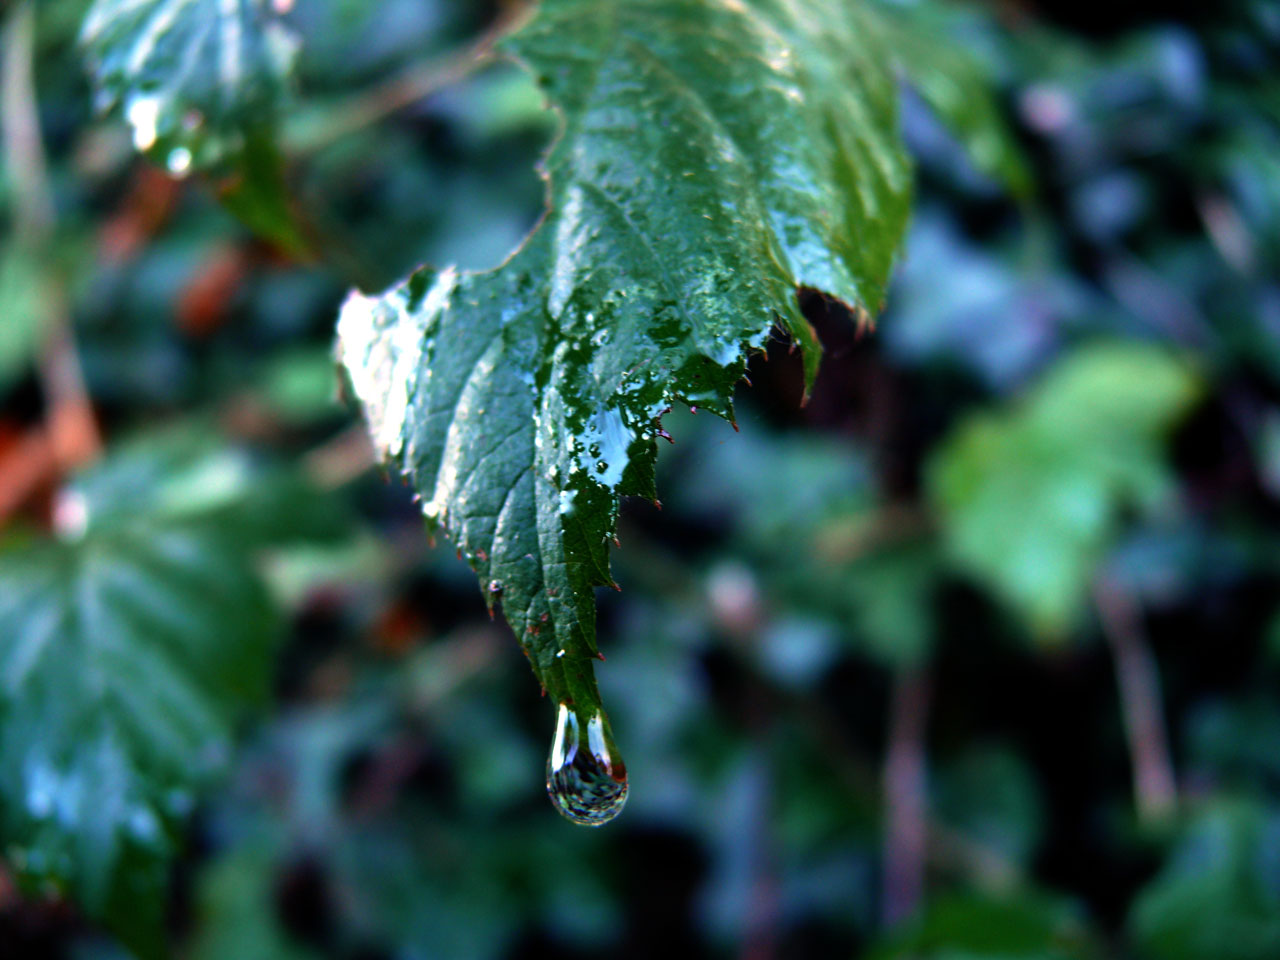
(1219, 896)
(989, 795)
(714, 158)
(26, 313)
(1031, 497)
(237, 919)
(1026, 926)
(198, 80)
(128, 648)
(187, 475)
(202, 82)
(928, 45)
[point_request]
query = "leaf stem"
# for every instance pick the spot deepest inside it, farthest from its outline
(1138, 678)
(73, 431)
(906, 796)
(414, 84)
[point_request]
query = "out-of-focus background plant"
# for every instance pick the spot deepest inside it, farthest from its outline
(974, 655)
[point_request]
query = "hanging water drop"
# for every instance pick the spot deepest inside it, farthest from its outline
(586, 778)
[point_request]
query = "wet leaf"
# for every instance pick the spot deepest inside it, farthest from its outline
(714, 157)
(201, 84)
(197, 80)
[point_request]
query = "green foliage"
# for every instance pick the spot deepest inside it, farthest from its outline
(1218, 897)
(957, 85)
(202, 84)
(820, 537)
(26, 312)
(387, 798)
(1030, 498)
(1031, 926)
(990, 795)
(199, 82)
(235, 900)
(524, 401)
(130, 646)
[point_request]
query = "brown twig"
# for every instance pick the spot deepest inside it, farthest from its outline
(34, 214)
(1138, 678)
(413, 85)
(851, 538)
(25, 468)
(72, 429)
(345, 457)
(906, 796)
(1228, 232)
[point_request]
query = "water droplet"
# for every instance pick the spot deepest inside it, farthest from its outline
(586, 778)
(143, 114)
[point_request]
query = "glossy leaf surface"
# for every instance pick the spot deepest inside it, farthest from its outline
(714, 157)
(198, 80)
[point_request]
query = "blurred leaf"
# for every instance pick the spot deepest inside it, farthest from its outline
(187, 475)
(1217, 898)
(258, 194)
(201, 83)
(235, 904)
(198, 80)
(500, 101)
(1235, 742)
(989, 795)
(128, 648)
(1030, 926)
(1030, 497)
(893, 589)
(804, 509)
(925, 41)
(126, 656)
(301, 385)
(25, 311)
(522, 402)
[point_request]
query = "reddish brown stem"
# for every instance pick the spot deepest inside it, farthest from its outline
(905, 796)
(72, 428)
(1138, 679)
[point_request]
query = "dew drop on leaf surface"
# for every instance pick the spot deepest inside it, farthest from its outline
(586, 778)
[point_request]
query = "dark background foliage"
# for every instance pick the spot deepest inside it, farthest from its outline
(856, 725)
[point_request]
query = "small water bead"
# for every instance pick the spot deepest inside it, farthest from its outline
(586, 778)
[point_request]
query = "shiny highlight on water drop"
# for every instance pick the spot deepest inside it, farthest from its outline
(586, 778)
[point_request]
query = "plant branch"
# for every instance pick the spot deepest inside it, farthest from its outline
(1138, 679)
(906, 796)
(73, 431)
(414, 84)
(34, 215)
